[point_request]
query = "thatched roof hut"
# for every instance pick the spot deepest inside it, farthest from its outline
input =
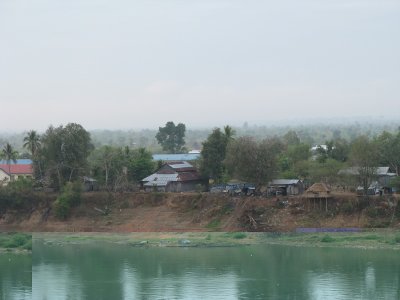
(318, 190)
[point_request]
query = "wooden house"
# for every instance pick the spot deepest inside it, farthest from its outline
(177, 176)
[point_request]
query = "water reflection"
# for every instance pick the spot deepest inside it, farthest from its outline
(15, 277)
(256, 272)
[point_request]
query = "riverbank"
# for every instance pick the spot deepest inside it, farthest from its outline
(202, 212)
(380, 239)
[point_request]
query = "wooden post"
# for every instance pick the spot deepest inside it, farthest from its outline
(326, 204)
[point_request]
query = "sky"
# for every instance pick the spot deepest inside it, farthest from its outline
(125, 64)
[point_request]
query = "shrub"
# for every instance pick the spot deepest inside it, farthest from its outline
(62, 207)
(327, 239)
(239, 235)
(70, 197)
(16, 240)
(371, 212)
(348, 208)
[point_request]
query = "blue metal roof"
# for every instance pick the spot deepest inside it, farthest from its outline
(176, 157)
(19, 162)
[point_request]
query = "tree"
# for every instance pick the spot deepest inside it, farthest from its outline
(141, 164)
(291, 138)
(32, 143)
(114, 166)
(214, 152)
(64, 153)
(364, 157)
(106, 164)
(389, 150)
(9, 155)
(171, 137)
(253, 161)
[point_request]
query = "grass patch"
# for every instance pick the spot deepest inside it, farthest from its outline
(214, 224)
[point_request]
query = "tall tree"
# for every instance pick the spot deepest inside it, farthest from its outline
(64, 153)
(9, 155)
(141, 164)
(171, 137)
(32, 142)
(389, 150)
(253, 161)
(214, 152)
(364, 157)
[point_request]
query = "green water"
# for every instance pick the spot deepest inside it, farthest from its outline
(15, 276)
(105, 271)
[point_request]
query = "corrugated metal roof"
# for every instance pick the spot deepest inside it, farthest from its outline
(180, 165)
(284, 181)
(176, 157)
(160, 179)
(380, 171)
(19, 162)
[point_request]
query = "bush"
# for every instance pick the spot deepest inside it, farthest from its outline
(17, 240)
(327, 239)
(239, 235)
(70, 197)
(348, 208)
(62, 207)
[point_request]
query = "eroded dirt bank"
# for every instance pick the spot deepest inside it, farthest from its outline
(191, 212)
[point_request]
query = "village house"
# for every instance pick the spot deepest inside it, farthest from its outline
(11, 172)
(286, 187)
(381, 183)
(179, 176)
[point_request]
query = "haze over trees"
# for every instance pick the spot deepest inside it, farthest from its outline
(66, 153)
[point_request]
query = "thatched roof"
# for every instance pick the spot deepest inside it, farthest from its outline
(318, 190)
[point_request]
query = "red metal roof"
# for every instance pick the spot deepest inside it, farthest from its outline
(17, 169)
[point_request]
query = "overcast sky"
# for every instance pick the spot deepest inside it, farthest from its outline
(138, 64)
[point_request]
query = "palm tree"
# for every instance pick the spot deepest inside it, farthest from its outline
(9, 154)
(229, 132)
(32, 142)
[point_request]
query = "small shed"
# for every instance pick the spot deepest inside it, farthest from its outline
(90, 184)
(317, 193)
(286, 186)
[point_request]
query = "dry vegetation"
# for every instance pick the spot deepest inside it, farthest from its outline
(167, 212)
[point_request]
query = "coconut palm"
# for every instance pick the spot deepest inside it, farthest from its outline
(9, 155)
(32, 142)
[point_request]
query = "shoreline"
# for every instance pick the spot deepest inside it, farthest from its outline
(382, 239)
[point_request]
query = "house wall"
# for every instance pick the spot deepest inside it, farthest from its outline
(4, 177)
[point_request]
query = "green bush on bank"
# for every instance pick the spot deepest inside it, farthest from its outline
(16, 240)
(70, 197)
(16, 195)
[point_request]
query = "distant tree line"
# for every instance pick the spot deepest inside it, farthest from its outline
(65, 154)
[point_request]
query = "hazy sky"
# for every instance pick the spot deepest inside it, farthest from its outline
(137, 64)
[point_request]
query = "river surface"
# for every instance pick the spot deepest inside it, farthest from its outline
(105, 271)
(15, 276)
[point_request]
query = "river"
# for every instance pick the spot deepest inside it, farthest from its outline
(108, 271)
